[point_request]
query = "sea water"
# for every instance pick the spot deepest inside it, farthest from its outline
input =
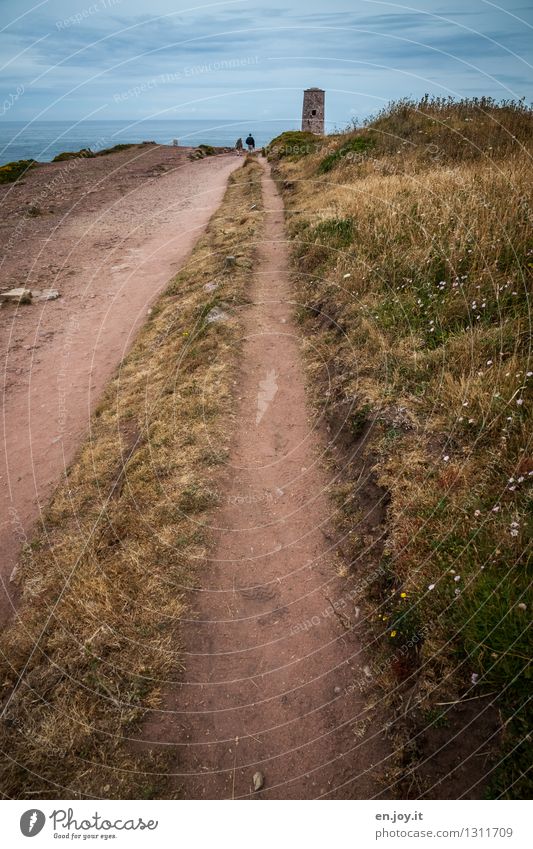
(42, 140)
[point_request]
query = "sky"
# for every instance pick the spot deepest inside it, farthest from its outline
(136, 59)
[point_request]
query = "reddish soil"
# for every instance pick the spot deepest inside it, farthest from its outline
(108, 233)
(274, 656)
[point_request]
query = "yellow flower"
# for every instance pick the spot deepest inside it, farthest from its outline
(393, 633)
(403, 595)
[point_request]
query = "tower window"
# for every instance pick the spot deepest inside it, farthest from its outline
(313, 112)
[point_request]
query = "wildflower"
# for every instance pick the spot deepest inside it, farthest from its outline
(474, 677)
(393, 633)
(521, 479)
(346, 276)
(431, 587)
(446, 458)
(514, 532)
(515, 525)
(496, 508)
(489, 362)
(457, 592)
(522, 606)
(457, 578)
(465, 403)
(529, 374)
(403, 595)
(477, 512)
(519, 401)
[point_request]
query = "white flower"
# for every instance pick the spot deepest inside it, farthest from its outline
(489, 362)
(457, 578)
(496, 508)
(445, 458)
(431, 587)
(514, 532)
(515, 525)
(474, 678)
(346, 276)
(522, 606)
(477, 513)
(519, 401)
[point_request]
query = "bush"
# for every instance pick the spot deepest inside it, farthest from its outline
(293, 145)
(84, 153)
(11, 172)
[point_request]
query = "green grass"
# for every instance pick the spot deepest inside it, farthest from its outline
(293, 145)
(350, 151)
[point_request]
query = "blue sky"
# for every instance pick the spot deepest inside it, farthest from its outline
(124, 59)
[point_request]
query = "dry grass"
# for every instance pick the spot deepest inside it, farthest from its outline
(413, 262)
(104, 579)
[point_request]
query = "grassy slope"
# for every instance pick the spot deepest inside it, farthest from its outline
(103, 581)
(413, 257)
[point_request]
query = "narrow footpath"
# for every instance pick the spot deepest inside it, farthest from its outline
(272, 666)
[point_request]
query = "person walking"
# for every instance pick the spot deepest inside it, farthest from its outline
(250, 141)
(239, 147)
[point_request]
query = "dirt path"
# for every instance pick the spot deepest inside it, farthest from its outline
(270, 664)
(109, 234)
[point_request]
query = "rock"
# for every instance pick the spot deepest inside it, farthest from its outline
(230, 262)
(258, 781)
(216, 314)
(45, 294)
(16, 296)
(336, 690)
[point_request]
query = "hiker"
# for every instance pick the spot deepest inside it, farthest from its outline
(238, 147)
(250, 141)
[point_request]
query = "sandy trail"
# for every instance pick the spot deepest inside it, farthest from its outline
(109, 234)
(270, 666)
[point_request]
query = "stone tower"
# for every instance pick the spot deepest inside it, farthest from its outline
(314, 111)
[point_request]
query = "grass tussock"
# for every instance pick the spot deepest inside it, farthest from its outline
(413, 255)
(103, 582)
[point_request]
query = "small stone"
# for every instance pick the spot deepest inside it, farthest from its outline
(47, 295)
(258, 781)
(16, 296)
(336, 690)
(216, 314)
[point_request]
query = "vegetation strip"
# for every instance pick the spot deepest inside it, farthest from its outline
(103, 581)
(413, 256)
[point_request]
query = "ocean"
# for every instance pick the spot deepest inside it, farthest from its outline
(42, 140)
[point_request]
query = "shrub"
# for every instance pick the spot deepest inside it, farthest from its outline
(12, 171)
